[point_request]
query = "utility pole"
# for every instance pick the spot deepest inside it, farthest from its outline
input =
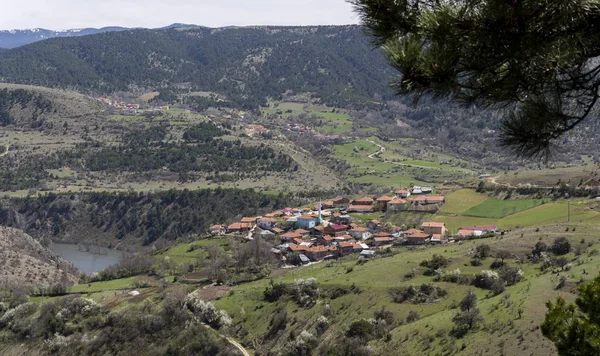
(568, 211)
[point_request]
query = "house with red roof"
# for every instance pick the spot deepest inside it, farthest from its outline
(397, 204)
(402, 193)
(290, 236)
(335, 230)
(217, 230)
(434, 228)
(266, 223)
(345, 248)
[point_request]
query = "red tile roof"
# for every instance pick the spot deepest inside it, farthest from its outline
(277, 230)
(295, 247)
(337, 227)
(248, 220)
(382, 239)
(291, 235)
(267, 219)
(384, 199)
(360, 229)
(381, 234)
(327, 238)
(307, 217)
(346, 244)
(214, 227)
(302, 231)
(397, 201)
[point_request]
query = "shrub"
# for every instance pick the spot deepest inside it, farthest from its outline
(497, 264)
(511, 275)
(489, 280)
(426, 293)
(483, 251)
(361, 329)
(304, 291)
(273, 291)
(436, 262)
(475, 261)
(321, 325)
(561, 246)
(206, 311)
(412, 316)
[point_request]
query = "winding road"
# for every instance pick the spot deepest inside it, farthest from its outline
(231, 341)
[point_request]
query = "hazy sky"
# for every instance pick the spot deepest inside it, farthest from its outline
(66, 14)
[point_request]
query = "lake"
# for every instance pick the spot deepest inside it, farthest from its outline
(86, 262)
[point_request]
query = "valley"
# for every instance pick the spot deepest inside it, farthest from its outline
(261, 191)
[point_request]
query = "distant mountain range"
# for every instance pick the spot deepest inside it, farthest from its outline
(246, 65)
(17, 38)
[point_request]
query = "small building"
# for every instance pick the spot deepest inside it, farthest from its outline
(340, 202)
(290, 236)
(277, 230)
(367, 253)
(381, 234)
(304, 233)
(239, 228)
(217, 230)
(342, 219)
(381, 203)
(345, 248)
(403, 193)
(307, 221)
(397, 204)
(426, 190)
(305, 260)
(325, 240)
(360, 208)
(373, 225)
(317, 253)
(417, 190)
(381, 241)
(360, 233)
(266, 223)
(248, 220)
(325, 205)
(417, 237)
(434, 228)
(335, 230)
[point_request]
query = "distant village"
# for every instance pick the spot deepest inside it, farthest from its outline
(130, 108)
(328, 231)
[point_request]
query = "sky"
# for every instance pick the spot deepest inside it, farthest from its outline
(68, 14)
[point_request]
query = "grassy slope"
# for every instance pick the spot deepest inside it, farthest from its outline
(464, 202)
(509, 334)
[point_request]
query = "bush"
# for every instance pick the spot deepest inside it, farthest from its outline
(361, 329)
(489, 280)
(497, 264)
(321, 325)
(273, 291)
(511, 275)
(483, 251)
(475, 261)
(412, 316)
(436, 262)
(206, 311)
(561, 246)
(426, 293)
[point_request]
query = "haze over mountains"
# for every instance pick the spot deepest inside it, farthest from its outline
(16, 38)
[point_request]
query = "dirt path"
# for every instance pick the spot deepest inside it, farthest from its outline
(381, 149)
(239, 347)
(231, 341)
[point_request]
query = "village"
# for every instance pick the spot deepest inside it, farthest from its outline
(328, 231)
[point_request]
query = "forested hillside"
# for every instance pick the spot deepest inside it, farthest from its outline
(133, 218)
(245, 65)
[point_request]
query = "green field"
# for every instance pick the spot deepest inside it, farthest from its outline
(115, 284)
(496, 209)
(462, 200)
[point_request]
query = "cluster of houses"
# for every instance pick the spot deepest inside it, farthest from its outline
(328, 231)
(131, 108)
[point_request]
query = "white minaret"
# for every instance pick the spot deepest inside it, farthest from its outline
(320, 220)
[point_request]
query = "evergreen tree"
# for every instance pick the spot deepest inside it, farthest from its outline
(537, 58)
(575, 328)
